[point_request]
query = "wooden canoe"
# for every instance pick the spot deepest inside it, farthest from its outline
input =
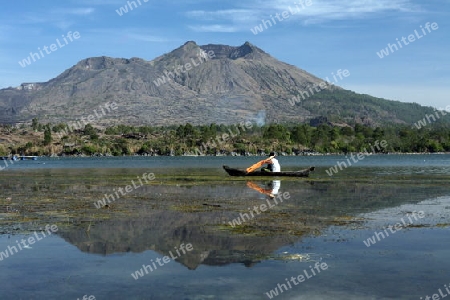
(238, 172)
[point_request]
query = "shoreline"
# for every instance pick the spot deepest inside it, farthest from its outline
(228, 155)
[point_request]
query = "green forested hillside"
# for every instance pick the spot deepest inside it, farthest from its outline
(347, 106)
(214, 139)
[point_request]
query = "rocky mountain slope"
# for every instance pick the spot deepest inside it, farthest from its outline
(195, 84)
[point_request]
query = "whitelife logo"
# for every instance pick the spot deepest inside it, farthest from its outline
(357, 158)
(399, 226)
(33, 57)
(86, 297)
(130, 4)
(319, 87)
(297, 280)
(79, 124)
(211, 144)
(411, 38)
(128, 189)
(265, 24)
(165, 260)
(430, 118)
(439, 296)
(202, 57)
(49, 229)
(262, 208)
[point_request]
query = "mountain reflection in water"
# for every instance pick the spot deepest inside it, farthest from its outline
(200, 214)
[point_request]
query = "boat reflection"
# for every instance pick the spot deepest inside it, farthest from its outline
(272, 188)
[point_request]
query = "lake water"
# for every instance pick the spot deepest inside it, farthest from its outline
(378, 229)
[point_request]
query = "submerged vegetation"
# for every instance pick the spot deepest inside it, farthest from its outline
(214, 139)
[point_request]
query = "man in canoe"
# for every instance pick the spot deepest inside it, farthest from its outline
(272, 164)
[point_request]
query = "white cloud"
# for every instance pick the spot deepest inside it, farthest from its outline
(227, 14)
(63, 24)
(320, 11)
(328, 10)
(80, 11)
(214, 28)
(101, 2)
(146, 37)
(233, 20)
(61, 18)
(128, 33)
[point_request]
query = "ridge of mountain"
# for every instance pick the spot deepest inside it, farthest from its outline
(198, 85)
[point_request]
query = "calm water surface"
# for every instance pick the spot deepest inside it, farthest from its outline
(326, 220)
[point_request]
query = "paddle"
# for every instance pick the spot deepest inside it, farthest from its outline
(258, 164)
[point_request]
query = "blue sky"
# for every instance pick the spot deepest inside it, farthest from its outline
(321, 38)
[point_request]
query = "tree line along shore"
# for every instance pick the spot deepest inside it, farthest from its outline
(218, 139)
